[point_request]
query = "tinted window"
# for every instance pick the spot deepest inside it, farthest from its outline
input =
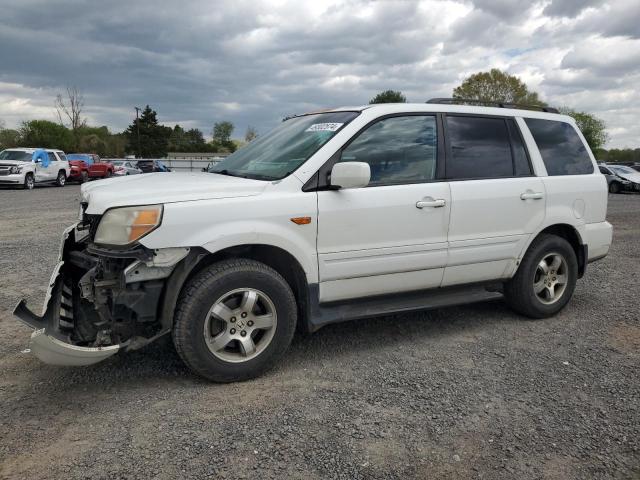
(52, 157)
(62, 156)
(520, 158)
(398, 150)
(480, 148)
(562, 150)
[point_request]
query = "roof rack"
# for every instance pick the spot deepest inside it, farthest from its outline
(488, 103)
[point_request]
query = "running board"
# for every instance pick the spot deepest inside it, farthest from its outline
(324, 314)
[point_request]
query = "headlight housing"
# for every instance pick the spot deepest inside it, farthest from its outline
(15, 169)
(125, 225)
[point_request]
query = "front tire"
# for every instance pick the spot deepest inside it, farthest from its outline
(614, 187)
(234, 320)
(545, 280)
(84, 177)
(61, 179)
(29, 182)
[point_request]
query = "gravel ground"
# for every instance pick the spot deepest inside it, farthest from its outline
(467, 392)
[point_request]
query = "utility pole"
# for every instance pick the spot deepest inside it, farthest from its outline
(138, 129)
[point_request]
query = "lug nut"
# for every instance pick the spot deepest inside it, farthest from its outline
(250, 323)
(233, 319)
(232, 331)
(243, 333)
(243, 314)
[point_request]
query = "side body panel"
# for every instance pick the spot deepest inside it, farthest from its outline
(375, 240)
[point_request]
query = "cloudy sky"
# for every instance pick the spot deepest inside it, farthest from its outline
(253, 62)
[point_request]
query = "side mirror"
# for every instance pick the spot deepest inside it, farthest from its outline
(350, 175)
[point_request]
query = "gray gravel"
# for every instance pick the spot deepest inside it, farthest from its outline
(470, 392)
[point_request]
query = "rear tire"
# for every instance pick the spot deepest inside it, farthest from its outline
(29, 182)
(234, 320)
(61, 179)
(107, 174)
(614, 187)
(545, 280)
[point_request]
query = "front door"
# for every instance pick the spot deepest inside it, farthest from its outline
(497, 202)
(390, 236)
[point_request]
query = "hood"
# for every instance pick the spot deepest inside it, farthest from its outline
(12, 163)
(156, 188)
(632, 177)
(77, 163)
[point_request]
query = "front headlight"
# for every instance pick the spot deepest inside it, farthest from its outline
(125, 225)
(15, 170)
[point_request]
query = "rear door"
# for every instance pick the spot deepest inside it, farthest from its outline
(496, 201)
(390, 236)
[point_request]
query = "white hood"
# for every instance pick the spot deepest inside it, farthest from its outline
(632, 177)
(12, 163)
(157, 188)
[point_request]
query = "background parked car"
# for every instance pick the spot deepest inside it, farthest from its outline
(96, 168)
(20, 167)
(148, 166)
(79, 171)
(124, 167)
(621, 178)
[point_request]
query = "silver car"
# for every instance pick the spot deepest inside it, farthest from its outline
(621, 178)
(124, 167)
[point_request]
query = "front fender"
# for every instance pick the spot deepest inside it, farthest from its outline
(215, 225)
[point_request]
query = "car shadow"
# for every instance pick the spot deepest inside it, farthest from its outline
(159, 365)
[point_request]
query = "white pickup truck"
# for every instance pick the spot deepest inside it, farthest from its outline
(332, 216)
(19, 168)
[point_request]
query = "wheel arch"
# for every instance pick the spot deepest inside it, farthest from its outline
(277, 258)
(571, 234)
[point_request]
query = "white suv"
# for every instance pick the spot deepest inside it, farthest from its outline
(20, 167)
(332, 216)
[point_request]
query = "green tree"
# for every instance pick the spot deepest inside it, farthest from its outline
(9, 138)
(195, 140)
(593, 128)
(222, 136)
(46, 134)
(154, 138)
(389, 96)
(250, 134)
(496, 86)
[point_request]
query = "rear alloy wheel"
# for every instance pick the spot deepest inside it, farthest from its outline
(545, 279)
(61, 179)
(614, 187)
(29, 182)
(234, 320)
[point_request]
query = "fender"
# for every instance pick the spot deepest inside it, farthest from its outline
(183, 229)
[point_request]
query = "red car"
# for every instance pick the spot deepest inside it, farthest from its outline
(79, 171)
(95, 168)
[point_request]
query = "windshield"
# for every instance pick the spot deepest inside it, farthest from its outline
(623, 170)
(281, 151)
(15, 155)
(117, 164)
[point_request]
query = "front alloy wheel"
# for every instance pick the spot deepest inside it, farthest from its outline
(240, 325)
(61, 179)
(234, 320)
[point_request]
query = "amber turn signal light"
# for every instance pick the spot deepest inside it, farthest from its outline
(301, 220)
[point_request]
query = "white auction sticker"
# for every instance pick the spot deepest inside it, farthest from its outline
(324, 127)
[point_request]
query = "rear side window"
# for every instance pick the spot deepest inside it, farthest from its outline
(562, 150)
(479, 148)
(398, 150)
(52, 157)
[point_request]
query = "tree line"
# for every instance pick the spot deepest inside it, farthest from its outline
(144, 137)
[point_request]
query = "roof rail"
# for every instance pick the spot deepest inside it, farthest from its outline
(488, 103)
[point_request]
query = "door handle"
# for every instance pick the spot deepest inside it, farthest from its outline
(531, 195)
(431, 203)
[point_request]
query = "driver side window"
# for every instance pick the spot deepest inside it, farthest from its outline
(398, 149)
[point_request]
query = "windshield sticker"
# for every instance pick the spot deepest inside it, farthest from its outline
(324, 127)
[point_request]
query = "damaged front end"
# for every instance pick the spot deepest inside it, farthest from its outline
(101, 301)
